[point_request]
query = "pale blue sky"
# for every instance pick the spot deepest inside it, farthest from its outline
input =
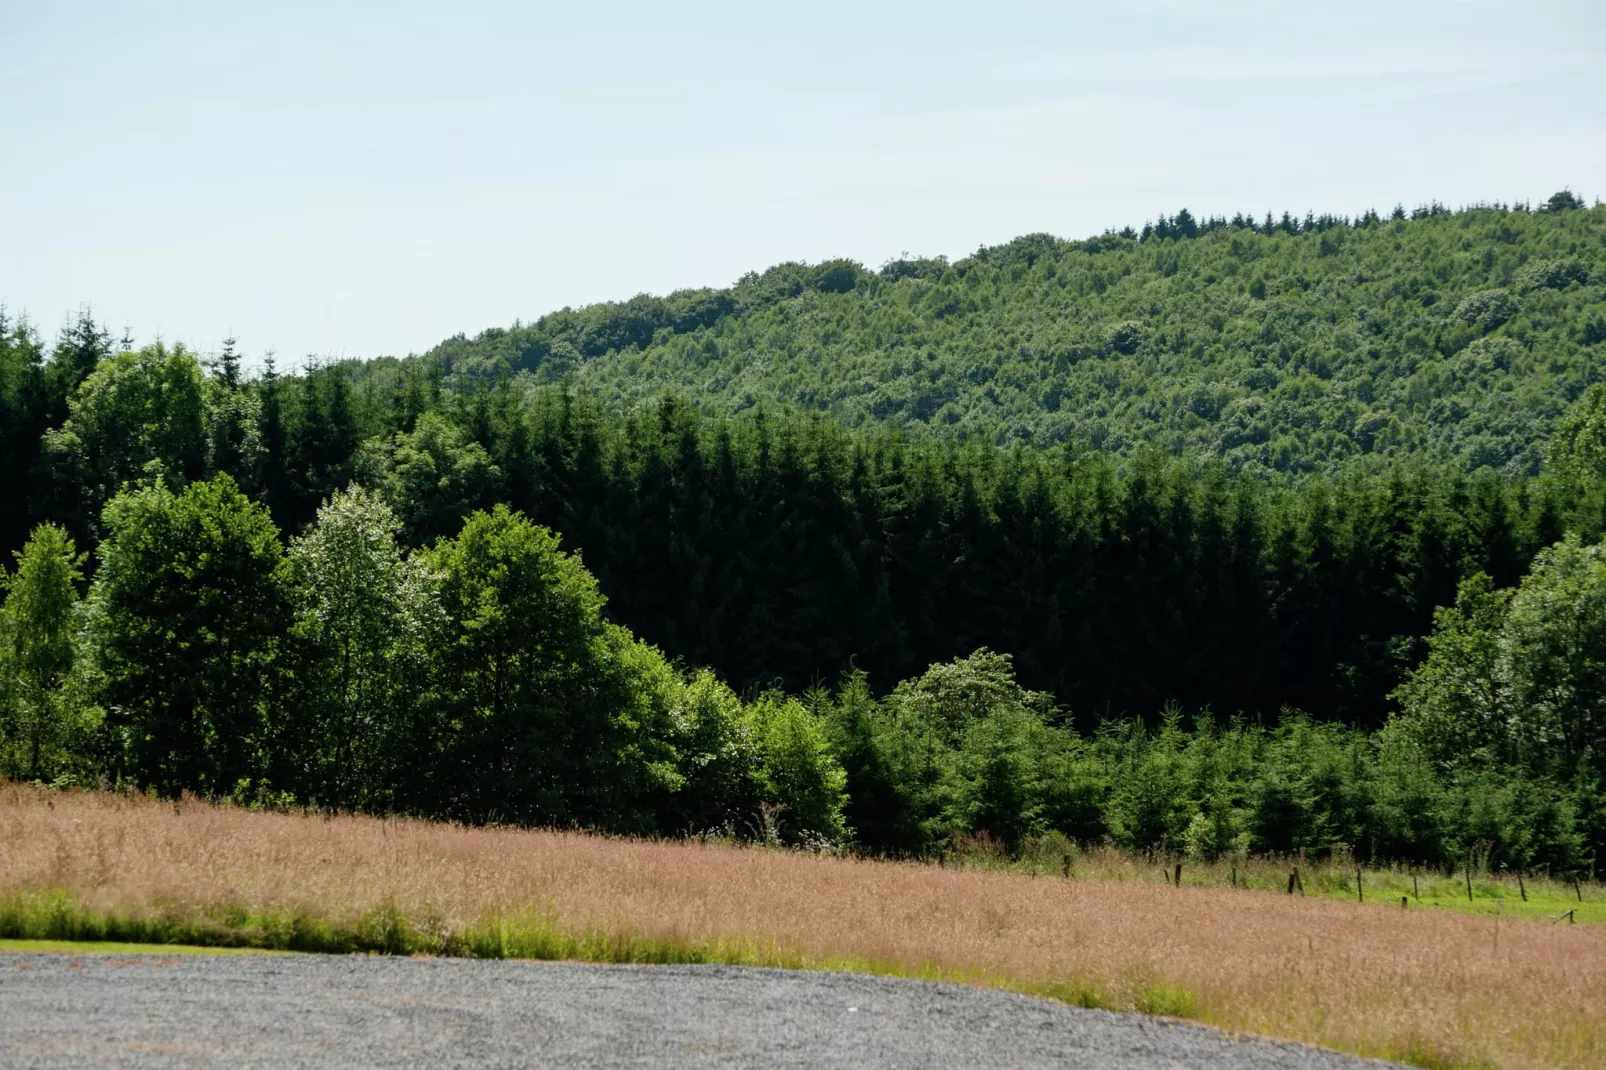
(352, 179)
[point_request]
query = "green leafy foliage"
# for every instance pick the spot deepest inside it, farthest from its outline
(477, 679)
(1292, 346)
(797, 773)
(716, 785)
(1280, 471)
(1508, 706)
(1576, 452)
(433, 475)
(133, 411)
(1014, 775)
(234, 422)
(1555, 639)
(783, 548)
(44, 719)
(1457, 699)
(186, 618)
(364, 616)
(1517, 678)
(551, 714)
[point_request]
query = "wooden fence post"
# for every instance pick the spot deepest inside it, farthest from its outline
(1469, 877)
(1522, 889)
(1178, 879)
(1360, 895)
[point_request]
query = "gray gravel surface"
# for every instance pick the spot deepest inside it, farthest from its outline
(290, 1012)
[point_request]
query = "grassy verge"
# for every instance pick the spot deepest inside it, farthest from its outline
(1425, 986)
(54, 922)
(108, 947)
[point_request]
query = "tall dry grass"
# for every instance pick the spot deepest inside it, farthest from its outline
(1434, 988)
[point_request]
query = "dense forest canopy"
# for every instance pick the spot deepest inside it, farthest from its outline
(1291, 345)
(627, 568)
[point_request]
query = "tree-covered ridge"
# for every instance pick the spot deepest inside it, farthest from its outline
(345, 588)
(1292, 345)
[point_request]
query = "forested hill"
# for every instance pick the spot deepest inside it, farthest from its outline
(1293, 345)
(353, 588)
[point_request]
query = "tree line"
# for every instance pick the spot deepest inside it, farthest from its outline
(477, 679)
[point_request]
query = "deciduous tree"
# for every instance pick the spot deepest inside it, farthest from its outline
(186, 619)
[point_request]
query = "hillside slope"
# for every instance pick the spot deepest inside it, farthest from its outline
(1292, 345)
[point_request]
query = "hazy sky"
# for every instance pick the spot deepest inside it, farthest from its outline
(354, 179)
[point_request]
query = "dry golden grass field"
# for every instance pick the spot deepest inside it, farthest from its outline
(1426, 986)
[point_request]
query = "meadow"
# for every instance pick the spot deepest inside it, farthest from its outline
(1337, 876)
(1431, 987)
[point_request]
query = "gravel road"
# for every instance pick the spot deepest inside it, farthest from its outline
(291, 1012)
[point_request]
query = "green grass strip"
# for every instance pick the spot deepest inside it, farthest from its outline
(107, 947)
